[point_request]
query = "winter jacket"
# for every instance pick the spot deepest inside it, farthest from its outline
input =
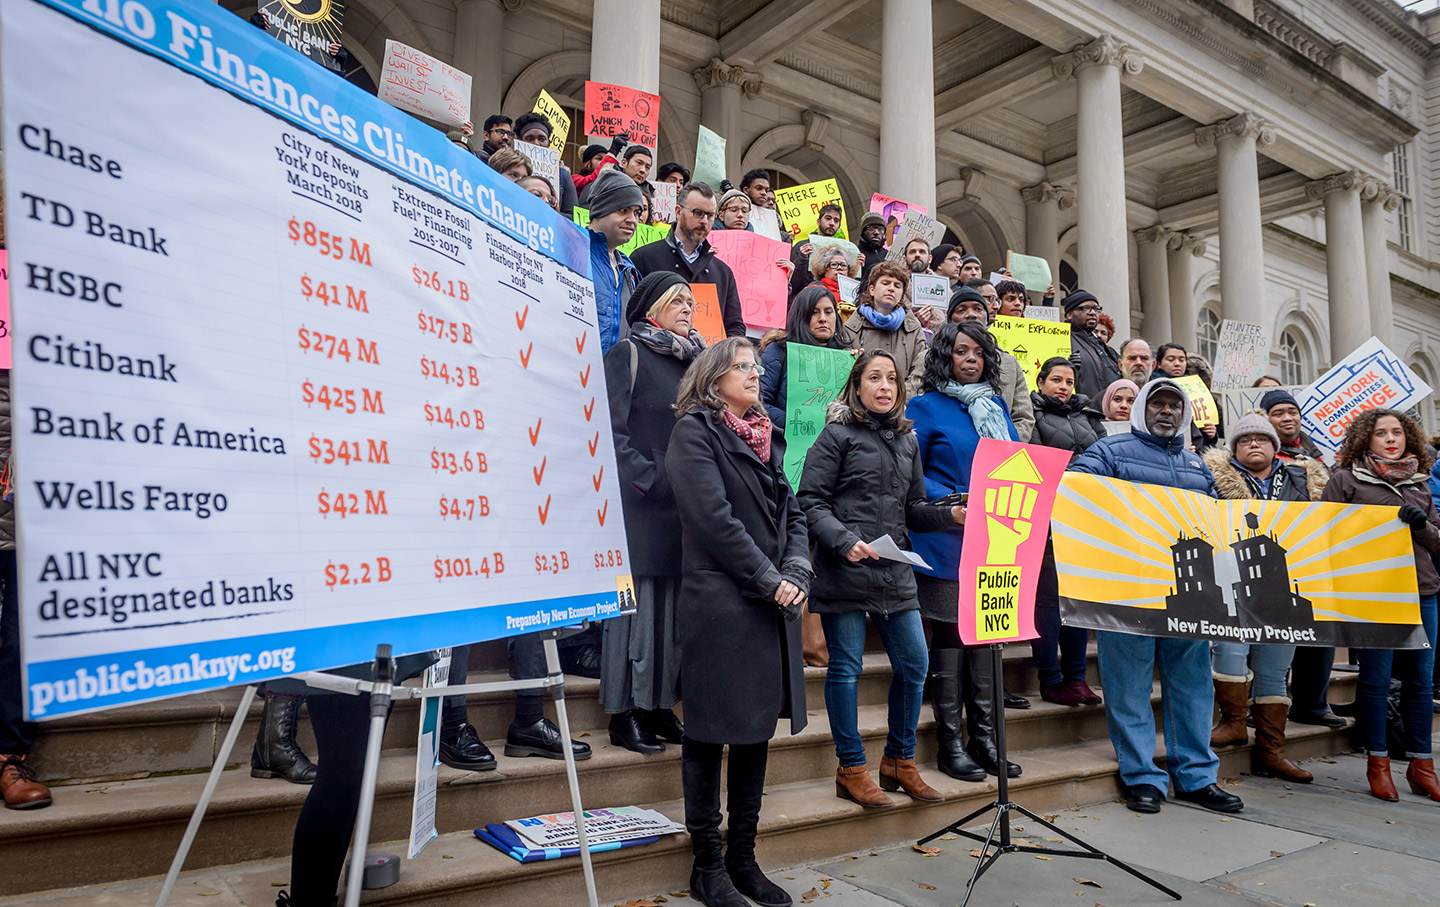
(1099, 365)
(1149, 459)
(1071, 425)
(585, 179)
(772, 383)
(946, 436)
(1357, 485)
(1015, 388)
(740, 658)
(907, 345)
(664, 255)
(610, 294)
(569, 197)
(1293, 481)
(870, 255)
(863, 480)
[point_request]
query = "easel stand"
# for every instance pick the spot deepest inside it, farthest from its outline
(382, 691)
(996, 843)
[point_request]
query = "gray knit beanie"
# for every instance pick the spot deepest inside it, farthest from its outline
(1252, 424)
(611, 191)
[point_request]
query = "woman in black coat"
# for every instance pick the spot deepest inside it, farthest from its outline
(1065, 420)
(640, 666)
(863, 480)
(746, 572)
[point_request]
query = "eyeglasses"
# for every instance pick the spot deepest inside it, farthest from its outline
(1252, 441)
(991, 297)
(732, 209)
(746, 368)
(699, 214)
(504, 133)
(836, 264)
(1089, 309)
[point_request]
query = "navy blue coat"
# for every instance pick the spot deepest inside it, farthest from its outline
(1146, 458)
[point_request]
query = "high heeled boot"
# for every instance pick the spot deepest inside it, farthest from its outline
(1377, 772)
(700, 778)
(1421, 775)
(747, 787)
(979, 695)
(945, 702)
(276, 754)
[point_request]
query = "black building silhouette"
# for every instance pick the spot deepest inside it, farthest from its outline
(1264, 591)
(1196, 593)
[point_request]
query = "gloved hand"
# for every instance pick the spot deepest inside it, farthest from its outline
(1075, 364)
(1413, 515)
(618, 144)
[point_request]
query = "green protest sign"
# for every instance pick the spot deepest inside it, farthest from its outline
(1030, 270)
(581, 217)
(709, 159)
(645, 234)
(814, 375)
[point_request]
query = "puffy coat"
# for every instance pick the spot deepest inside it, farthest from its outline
(1357, 485)
(1015, 388)
(1152, 460)
(1298, 481)
(863, 480)
(610, 295)
(1071, 425)
(664, 255)
(907, 345)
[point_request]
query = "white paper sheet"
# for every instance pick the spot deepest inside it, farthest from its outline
(885, 547)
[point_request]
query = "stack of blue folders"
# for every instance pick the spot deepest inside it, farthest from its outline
(504, 839)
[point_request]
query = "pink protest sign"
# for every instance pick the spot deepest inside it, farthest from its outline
(760, 282)
(4, 309)
(1007, 519)
(612, 110)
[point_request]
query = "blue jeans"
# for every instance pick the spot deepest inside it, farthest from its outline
(903, 635)
(1415, 669)
(1187, 701)
(1270, 663)
(1059, 651)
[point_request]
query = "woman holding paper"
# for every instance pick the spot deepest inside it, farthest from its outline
(863, 480)
(961, 404)
(746, 573)
(811, 320)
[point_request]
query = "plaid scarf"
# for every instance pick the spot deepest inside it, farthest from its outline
(1393, 471)
(754, 430)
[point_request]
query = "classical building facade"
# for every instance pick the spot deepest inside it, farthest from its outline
(1185, 160)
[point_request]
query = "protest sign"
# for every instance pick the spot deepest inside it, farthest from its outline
(1158, 561)
(767, 224)
(602, 826)
(930, 289)
(1031, 342)
(581, 216)
(4, 309)
(612, 110)
(1030, 270)
(418, 83)
(544, 160)
(1369, 378)
(893, 210)
(707, 319)
(551, 110)
(709, 159)
(662, 200)
(814, 375)
(799, 207)
(306, 25)
(1236, 403)
(1203, 410)
(997, 276)
(282, 492)
(915, 226)
(1241, 356)
(759, 281)
(849, 288)
(1042, 312)
(427, 759)
(644, 235)
(1012, 487)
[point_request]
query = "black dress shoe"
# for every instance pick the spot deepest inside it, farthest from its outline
(626, 730)
(1016, 702)
(1144, 798)
(664, 724)
(582, 661)
(465, 751)
(1212, 797)
(541, 739)
(1329, 719)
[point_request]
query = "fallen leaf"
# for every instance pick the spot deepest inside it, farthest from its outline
(927, 851)
(824, 883)
(1055, 840)
(680, 894)
(950, 838)
(1276, 853)
(872, 853)
(976, 853)
(1038, 857)
(1019, 828)
(849, 875)
(446, 856)
(1224, 820)
(1053, 818)
(1091, 882)
(812, 893)
(926, 887)
(1389, 821)
(208, 894)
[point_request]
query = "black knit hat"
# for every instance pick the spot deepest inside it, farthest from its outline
(937, 254)
(1077, 298)
(1276, 398)
(591, 152)
(650, 289)
(965, 294)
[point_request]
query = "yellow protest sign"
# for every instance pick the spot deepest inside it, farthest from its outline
(1031, 341)
(550, 108)
(799, 207)
(1203, 410)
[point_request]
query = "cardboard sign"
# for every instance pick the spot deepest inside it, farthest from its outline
(418, 83)
(1241, 356)
(849, 288)
(1031, 342)
(1030, 270)
(761, 283)
(707, 318)
(550, 108)
(612, 110)
(1236, 403)
(930, 289)
(644, 235)
(427, 759)
(308, 27)
(814, 375)
(1372, 377)
(893, 210)
(581, 216)
(1203, 410)
(767, 223)
(544, 160)
(915, 226)
(709, 159)
(799, 206)
(662, 201)
(1043, 312)
(1012, 488)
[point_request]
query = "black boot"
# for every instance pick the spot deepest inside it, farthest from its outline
(700, 777)
(945, 701)
(276, 754)
(747, 787)
(627, 730)
(664, 724)
(980, 710)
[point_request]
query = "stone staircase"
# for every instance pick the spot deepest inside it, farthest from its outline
(127, 780)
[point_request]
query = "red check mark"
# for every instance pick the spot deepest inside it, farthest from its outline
(594, 444)
(544, 511)
(596, 478)
(520, 318)
(540, 471)
(585, 376)
(590, 409)
(535, 432)
(580, 342)
(602, 511)
(525, 355)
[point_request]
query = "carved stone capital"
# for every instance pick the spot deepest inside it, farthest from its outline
(1183, 242)
(1243, 125)
(1335, 182)
(1155, 234)
(718, 73)
(1105, 50)
(1045, 192)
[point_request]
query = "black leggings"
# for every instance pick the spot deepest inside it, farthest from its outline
(327, 821)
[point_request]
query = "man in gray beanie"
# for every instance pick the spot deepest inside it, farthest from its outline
(615, 205)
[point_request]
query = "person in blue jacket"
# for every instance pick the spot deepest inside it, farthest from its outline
(1155, 453)
(812, 319)
(959, 404)
(615, 206)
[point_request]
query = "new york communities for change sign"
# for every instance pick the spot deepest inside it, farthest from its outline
(1372, 377)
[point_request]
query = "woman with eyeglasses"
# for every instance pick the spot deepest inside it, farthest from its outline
(745, 575)
(734, 211)
(812, 319)
(830, 262)
(540, 187)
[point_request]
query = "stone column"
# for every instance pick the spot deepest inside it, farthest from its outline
(1242, 254)
(722, 89)
(1154, 283)
(1376, 198)
(1100, 171)
(907, 102)
(625, 44)
(479, 32)
(1043, 202)
(1344, 261)
(1181, 251)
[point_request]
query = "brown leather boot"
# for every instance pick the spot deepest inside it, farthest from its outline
(1230, 695)
(901, 774)
(1270, 758)
(852, 782)
(19, 787)
(1377, 772)
(1420, 774)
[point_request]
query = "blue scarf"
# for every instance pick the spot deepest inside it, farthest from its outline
(988, 415)
(889, 322)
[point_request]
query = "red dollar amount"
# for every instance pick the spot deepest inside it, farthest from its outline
(328, 294)
(457, 462)
(349, 400)
(330, 245)
(461, 418)
(329, 450)
(453, 567)
(332, 347)
(458, 375)
(444, 329)
(552, 563)
(359, 574)
(466, 509)
(431, 280)
(345, 504)
(613, 557)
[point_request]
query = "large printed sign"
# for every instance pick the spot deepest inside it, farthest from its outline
(326, 384)
(416, 82)
(1031, 342)
(1159, 561)
(612, 110)
(1372, 377)
(309, 26)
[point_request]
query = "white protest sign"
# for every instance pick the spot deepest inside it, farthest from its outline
(930, 289)
(1371, 377)
(709, 159)
(995, 277)
(331, 400)
(767, 223)
(1042, 312)
(417, 82)
(1241, 356)
(914, 226)
(427, 758)
(544, 160)
(1236, 403)
(849, 288)
(663, 200)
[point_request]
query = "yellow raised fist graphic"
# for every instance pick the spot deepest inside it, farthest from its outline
(1007, 520)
